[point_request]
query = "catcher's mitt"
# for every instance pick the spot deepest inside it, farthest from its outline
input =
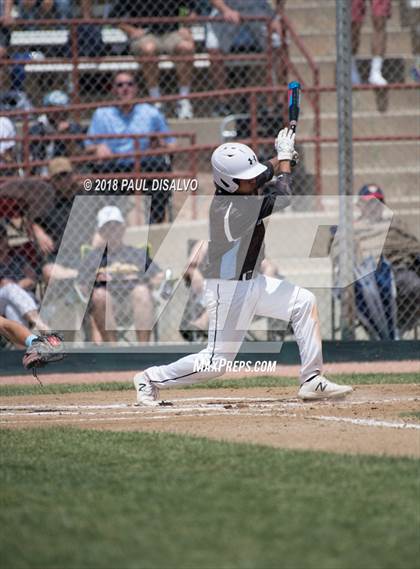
(44, 350)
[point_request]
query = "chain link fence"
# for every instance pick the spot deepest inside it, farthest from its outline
(209, 77)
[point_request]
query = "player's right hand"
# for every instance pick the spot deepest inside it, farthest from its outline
(285, 144)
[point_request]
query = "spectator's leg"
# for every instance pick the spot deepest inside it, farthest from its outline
(357, 16)
(218, 70)
(103, 314)
(184, 46)
(147, 46)
(378, 51)
(219, 39)
(381, 11)
(3, 74)
(280, 67)
(17, 304)
(143, 312)
(64, 8)
(379, 36)
(415, 42)
(408, 298)
(57, 272)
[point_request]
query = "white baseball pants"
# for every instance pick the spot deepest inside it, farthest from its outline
(231, 306)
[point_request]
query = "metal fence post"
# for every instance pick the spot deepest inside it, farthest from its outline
(345, 165)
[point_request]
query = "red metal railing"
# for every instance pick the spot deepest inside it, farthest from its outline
(193, 149)
(312, 91)
(265, 57)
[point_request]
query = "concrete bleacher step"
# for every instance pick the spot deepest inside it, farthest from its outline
(206, 129)
(322, 43)
(367, 123)
(375, 155)
(398, 66)
(309, 15)
(398, 184)
(365, 100)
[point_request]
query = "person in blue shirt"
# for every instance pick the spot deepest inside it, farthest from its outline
(130, 119)
(127, 119)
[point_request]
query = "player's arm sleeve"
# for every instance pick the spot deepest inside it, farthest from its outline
(277, 195)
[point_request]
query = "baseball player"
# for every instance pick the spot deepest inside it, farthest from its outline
(40, 351)
(247, 192)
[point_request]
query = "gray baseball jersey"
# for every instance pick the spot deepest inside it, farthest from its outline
(236, 244)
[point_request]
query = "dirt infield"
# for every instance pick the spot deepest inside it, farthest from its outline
(373, 420)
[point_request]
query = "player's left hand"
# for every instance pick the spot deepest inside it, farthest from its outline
(285, 144)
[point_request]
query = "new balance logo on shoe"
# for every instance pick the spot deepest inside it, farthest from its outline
(319, 387)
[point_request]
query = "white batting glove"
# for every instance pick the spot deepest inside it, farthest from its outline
(285, 144)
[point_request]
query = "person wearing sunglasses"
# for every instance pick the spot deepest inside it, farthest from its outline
(128, 118)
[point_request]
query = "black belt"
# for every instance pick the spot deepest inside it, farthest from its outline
(247, 276)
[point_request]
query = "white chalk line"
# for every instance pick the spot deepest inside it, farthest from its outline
(358, 422)
(260, 407)
(148, 417)
(44, 409)
(369, 422)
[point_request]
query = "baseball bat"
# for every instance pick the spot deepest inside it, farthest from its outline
(294, 107)
(294, 104)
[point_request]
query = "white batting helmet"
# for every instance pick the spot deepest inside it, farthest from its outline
(234, 161)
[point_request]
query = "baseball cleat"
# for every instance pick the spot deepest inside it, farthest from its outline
(320, 387)
(147, 392)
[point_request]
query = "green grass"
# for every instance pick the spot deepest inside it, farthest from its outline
(57, 388)
(240, 382)
(415, 414)
(90, 499)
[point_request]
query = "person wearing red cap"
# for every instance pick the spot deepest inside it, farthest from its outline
(401, 250)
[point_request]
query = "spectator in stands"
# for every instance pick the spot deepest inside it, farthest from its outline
(160, 38)
(7, 148)
(14, 99)
(226, 36)
(17, 284)
(50, 228)
(401, 250)
(414, 19)
(120, 275)
(36, 9)
(381, 11)
(57, 123)
(131, 120)
(5, 24)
